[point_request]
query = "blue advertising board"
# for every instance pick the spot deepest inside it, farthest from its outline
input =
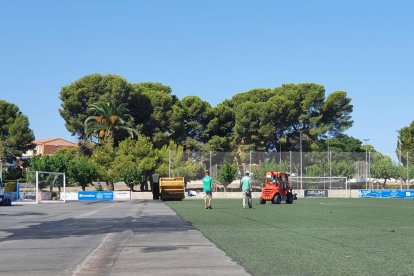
(386, 193)
(96, 195)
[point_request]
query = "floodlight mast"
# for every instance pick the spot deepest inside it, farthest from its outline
(366, 162)
(1, 171)
(301, 163)
(399, 147)
(330, 164)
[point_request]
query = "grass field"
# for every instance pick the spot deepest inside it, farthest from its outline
(311, 236)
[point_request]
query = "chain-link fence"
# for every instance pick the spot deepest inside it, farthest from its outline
(342, 170)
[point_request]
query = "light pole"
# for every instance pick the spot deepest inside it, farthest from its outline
(280, 153)
(300, 139)
(408, 181)
(399, 147)
(1, 172)
(366, 163)
(169, 163)
(330, 165)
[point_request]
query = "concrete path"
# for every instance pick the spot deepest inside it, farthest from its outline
(105, 238)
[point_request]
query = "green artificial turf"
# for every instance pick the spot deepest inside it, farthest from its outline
(311, 236)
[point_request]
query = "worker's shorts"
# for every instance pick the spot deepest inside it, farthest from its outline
(247, 194)
(208, 194)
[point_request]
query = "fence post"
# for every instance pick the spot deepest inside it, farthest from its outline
(37, 188)
(210, 162)
(64, 187)
(250, 162)
(369, 170)
(330, 170)
(301, 171)
(346, 187)
(349, 187)
(408, 174)
(211, 173)
(169, 163)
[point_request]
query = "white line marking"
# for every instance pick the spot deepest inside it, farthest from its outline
(315, 228)
(92, 254)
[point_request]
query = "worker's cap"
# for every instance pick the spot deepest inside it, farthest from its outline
(247, 172)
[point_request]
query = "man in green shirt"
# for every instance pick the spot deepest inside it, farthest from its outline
(245, 183)
(208, 190)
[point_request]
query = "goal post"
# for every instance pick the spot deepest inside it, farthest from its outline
(42, 186)
(49, 186)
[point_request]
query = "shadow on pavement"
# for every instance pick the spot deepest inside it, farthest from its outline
(20, 214)
(92, 226)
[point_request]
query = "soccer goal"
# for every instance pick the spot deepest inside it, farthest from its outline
(42, 187)
(318, 183)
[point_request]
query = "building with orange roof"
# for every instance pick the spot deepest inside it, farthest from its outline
(49, 146)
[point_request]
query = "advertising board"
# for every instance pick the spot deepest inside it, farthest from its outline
(69, 195)
(316, 193)
(96, 195)
(122, 195)
(386, 193)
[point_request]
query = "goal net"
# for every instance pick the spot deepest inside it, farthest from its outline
(42, 187)
(318, 183)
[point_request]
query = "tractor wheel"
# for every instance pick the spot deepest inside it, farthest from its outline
(289, 198)
(277, 199)
(262, 201)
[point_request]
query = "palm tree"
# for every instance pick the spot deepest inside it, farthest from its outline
(110, 118)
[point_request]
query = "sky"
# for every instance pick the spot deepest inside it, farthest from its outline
(214, 49)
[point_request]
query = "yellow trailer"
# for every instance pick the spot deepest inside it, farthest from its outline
(172, 188)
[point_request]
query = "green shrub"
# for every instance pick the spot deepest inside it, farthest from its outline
(98, 187)
(10, 186)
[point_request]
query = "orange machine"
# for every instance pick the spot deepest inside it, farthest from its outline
(276, 188)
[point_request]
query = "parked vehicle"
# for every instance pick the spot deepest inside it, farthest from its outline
(277, 189)
(4, 200)
(172, 188)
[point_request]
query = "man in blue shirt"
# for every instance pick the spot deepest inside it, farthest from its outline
(245, 183)
(208, 190)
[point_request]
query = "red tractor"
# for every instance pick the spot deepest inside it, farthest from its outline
(276, 188)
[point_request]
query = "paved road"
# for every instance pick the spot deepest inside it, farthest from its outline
(105, 238)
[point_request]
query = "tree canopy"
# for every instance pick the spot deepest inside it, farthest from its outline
(110, 120)
(383, 167)
(15, 134)
(405, 142)
(260, 119)
(267, 118)
(78, 97)
(343, 143)
(227, 173)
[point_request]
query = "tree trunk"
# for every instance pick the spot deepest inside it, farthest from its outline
(110, 186)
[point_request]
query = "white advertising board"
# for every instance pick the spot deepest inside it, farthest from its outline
(122, 195)
(69, 196)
